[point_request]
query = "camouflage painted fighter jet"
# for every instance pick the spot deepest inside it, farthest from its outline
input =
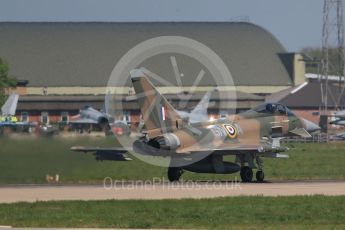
(248, 136)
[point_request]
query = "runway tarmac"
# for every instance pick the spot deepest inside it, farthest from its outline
(141, 190)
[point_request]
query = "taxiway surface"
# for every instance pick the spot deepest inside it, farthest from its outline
(141, 190)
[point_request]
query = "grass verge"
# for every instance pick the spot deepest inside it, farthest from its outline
(29, 160)
(302, 212)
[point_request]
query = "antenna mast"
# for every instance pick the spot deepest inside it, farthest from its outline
(332, 41)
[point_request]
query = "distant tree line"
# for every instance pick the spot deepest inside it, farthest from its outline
(6, 81)
(313, 60)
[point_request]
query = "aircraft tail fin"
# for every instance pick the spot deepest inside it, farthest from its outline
(10, 106)
(158, 114)
(200, 110)
(106, 103)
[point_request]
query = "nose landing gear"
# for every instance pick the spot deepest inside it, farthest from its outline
(247, 171)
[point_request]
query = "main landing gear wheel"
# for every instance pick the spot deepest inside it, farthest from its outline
(246, 174)
(174, 174)
(260, 176)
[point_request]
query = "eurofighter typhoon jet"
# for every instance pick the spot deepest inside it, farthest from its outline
(248, 136)
(339, 118)
(90, 116)
(8, 111)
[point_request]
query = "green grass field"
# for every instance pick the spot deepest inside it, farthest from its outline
(29, 160)
(301, 212)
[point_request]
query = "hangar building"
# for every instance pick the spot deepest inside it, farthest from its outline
(67, 65)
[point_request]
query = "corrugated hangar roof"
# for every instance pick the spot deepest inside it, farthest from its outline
(84, 54)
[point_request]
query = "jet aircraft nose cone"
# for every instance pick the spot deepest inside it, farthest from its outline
(310, 126)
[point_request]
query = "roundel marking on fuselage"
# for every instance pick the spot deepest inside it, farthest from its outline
(231, 131)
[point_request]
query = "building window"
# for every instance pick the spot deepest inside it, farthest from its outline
(127, 116)
(24, 117)
(315, 113)
(45, 90)
(64, 117)
(45, 118)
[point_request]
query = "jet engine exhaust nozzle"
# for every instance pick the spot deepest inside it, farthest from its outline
(167, 142)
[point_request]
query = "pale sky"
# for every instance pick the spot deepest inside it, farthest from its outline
(296, 23)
